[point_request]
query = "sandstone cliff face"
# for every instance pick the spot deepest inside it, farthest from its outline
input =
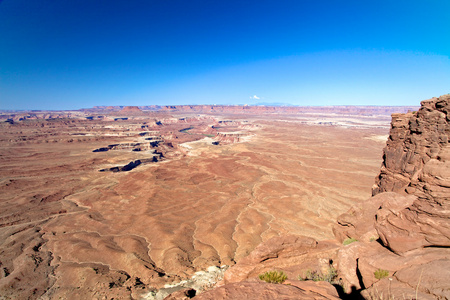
(416, 151)
(403, 230)
(417, 162)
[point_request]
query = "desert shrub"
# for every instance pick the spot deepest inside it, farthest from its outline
(380, 273)
(330, 276)
(273, 276)
(349, 241)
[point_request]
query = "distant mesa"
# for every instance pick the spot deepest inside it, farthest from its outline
(115, 109)
(285, 108)
(273, 104)
(252, 109)
(131, 109)
(107, 108)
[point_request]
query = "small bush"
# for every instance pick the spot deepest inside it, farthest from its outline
(330, 276)
(273, 277)
(349, 241)
(380, 273)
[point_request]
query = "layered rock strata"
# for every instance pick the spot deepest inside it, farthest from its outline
(417, 162)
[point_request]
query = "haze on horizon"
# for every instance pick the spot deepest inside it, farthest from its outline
(75, 54)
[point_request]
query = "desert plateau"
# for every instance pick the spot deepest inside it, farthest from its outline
(224, 150)
(130, 203)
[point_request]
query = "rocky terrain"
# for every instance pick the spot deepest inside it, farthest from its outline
(181, 192)
(395, 245)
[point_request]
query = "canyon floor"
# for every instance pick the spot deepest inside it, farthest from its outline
(101, 206)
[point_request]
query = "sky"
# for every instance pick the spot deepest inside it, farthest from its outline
(71, 54)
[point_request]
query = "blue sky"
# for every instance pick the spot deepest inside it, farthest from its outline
(74, 54)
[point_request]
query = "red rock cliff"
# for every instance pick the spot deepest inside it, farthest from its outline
(417, 162)
(416, 148)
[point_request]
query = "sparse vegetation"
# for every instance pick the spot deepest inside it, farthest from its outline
(330, 276)
(375, 295)
(380, 273)
(273, 276)
(349, 241)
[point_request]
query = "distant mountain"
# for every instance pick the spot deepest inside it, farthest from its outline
(272, 104)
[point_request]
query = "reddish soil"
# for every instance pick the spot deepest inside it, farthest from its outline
(215, 191)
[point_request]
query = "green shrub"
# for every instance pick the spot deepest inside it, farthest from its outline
(380, 273)
(349, 241)
(330, 276)
(273, 277)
